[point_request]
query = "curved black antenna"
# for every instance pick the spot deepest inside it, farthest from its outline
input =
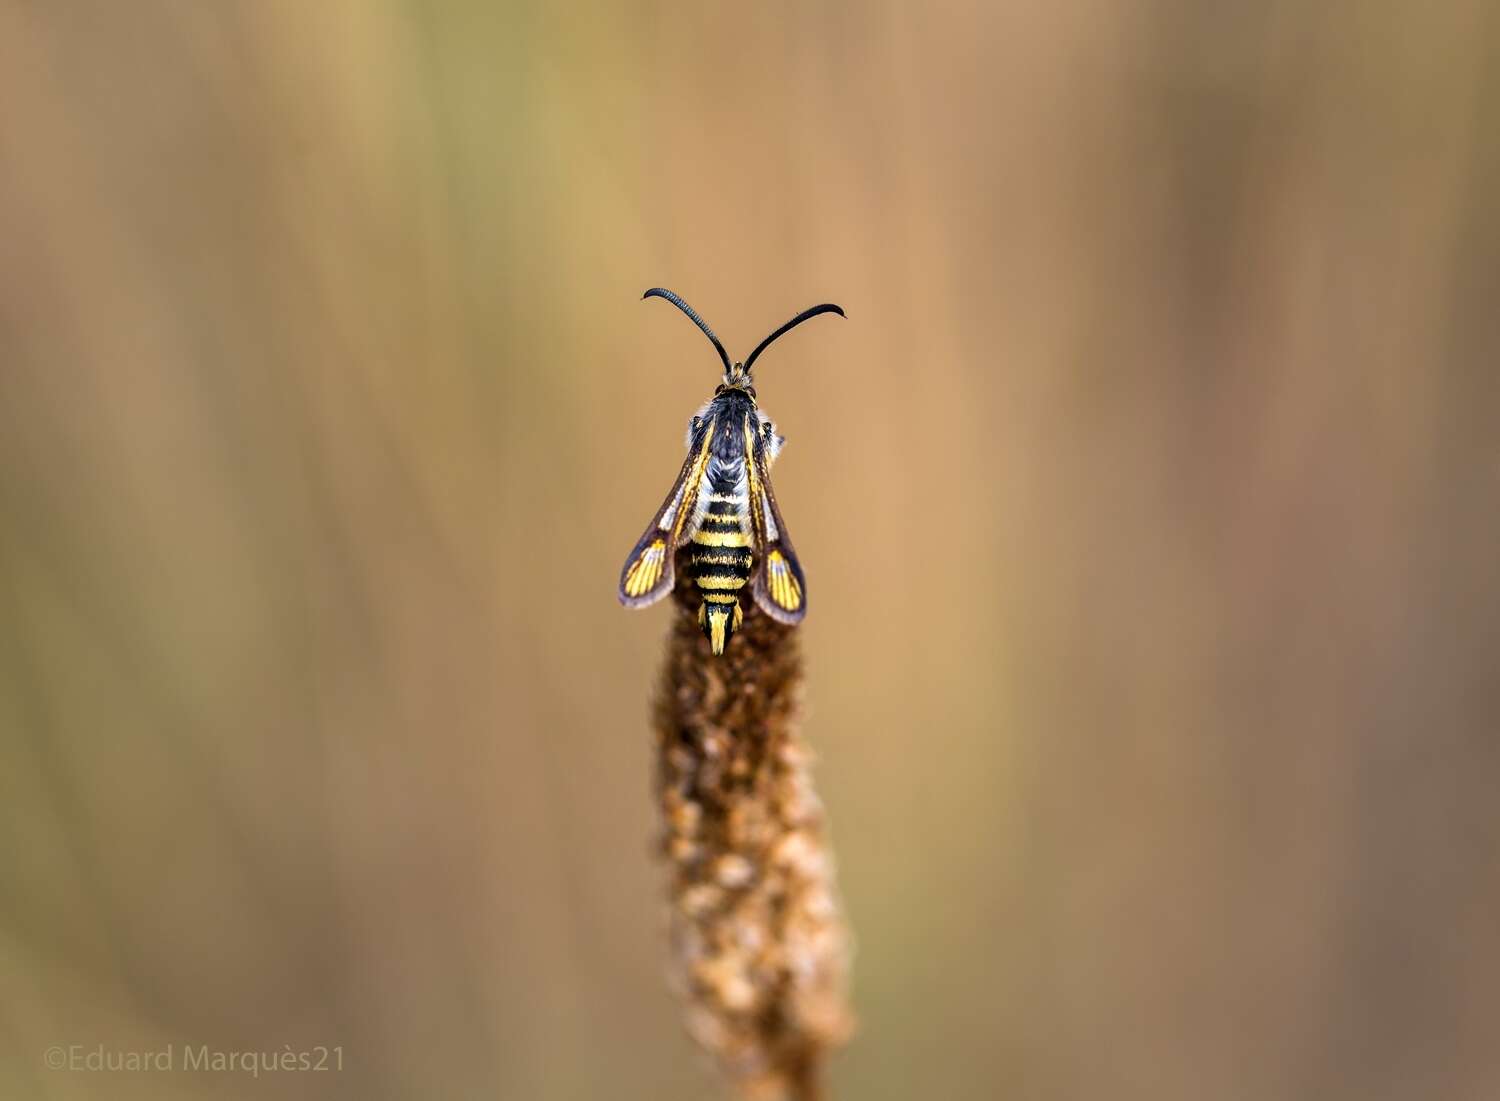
(812, 311)
(662, 292)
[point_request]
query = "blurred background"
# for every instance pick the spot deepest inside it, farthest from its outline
(1146, 497)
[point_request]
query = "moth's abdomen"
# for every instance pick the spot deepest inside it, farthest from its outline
(720, 561)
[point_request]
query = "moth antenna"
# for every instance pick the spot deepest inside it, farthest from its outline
(811, 311)
(662, 292)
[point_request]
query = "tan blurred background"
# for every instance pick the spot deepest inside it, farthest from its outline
(1147, 500)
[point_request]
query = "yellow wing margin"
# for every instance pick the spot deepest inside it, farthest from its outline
(649, 571)
(777, 584)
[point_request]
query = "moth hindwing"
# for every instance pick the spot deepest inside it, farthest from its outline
(778, 585)
(650, 569)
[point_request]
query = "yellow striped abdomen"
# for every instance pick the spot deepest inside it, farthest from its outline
(720, 561)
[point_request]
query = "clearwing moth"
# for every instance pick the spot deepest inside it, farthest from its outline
(723, 505)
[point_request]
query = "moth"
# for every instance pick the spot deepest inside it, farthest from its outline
(723, 508)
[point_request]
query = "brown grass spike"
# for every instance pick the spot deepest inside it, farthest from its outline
(759, 949)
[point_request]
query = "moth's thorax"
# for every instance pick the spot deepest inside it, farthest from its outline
(732, 413)
(732, 416)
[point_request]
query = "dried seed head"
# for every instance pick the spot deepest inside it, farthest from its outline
(760, 951)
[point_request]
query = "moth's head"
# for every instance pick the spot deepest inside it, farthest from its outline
(737, 377)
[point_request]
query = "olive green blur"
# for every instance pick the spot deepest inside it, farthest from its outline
(1147, 500)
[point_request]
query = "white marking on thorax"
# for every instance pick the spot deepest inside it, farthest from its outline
(721, 470)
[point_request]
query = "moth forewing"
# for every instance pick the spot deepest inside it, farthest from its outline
(777, 584)
(650, 569)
